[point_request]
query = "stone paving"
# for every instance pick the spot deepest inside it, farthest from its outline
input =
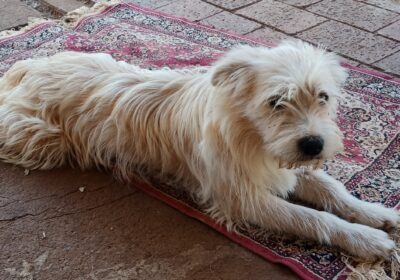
(67, 224)
(365, 32)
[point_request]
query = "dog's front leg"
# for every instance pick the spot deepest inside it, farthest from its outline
(321, 190)
(360, 240)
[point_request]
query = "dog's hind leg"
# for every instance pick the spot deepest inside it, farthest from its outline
(14, 76)
(321, 190)
(29, 141)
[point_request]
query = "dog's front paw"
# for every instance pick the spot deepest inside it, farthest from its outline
(368, 243)
(376, 215)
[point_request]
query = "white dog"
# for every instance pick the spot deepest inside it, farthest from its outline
(241, 136)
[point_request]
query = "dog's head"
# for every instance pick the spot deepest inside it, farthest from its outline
(289, 94)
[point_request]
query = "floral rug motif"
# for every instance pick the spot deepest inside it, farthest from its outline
(369, 114)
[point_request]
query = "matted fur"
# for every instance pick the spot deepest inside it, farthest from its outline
(230, 134)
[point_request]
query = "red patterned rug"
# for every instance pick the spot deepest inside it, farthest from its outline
(369, 116)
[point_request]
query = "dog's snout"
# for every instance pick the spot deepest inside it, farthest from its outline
(311, 145)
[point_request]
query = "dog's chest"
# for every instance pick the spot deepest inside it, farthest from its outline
(281, 182)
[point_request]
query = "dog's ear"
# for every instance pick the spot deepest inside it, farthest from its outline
(236, 77)
(231, 72)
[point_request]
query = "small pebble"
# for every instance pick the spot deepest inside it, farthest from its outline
(82, 189)
(26, 172)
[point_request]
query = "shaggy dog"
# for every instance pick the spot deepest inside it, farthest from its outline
(241, 137)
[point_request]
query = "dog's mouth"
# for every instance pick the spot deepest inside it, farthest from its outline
(311, 164)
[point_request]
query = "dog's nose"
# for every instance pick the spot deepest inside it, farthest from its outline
(311, 145)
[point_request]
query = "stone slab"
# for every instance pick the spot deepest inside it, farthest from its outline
(231, 22)
(354, 13)
(392, 31)
(300, 3)
(64, 5)
(392, 5)
(350, 41)
(231, 4)
(390, 64)
(151, 3)
(14, 13)
(268, 35)
(281, 16)
(193, 10)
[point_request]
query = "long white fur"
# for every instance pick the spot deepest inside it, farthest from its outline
(215, 132)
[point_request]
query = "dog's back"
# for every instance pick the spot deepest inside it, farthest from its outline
(89, 110)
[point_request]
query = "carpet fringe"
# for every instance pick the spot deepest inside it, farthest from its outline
(69, 20)
(375, 271)
(32, 23)
(72, 19)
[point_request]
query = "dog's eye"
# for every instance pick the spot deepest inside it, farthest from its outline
(324, 96)
(273, 102)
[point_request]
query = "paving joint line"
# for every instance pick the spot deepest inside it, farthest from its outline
(231, 10)
(383, 8)
(354, 26)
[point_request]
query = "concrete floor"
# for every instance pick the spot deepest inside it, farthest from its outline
(66, 224)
